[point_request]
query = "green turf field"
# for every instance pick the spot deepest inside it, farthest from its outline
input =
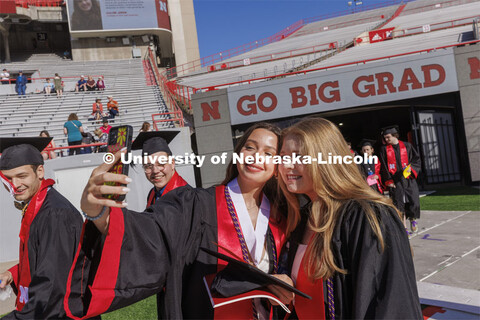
(452, 199)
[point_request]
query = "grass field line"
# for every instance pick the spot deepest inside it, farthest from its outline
(439, 224)
(449, 264)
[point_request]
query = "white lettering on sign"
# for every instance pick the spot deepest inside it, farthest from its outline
(163, 6)
(23, 295)
(391, 80)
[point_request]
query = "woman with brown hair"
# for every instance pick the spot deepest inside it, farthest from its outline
(348, 241)
(86, 15)
(48, 154)
(145, 127)
(160, 248)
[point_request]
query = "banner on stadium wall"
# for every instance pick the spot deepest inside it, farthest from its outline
(113, 15)
(397, 79)
(380, 35)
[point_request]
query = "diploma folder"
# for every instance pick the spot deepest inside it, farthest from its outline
(255, 274)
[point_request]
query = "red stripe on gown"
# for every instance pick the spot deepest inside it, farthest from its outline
(305, 308)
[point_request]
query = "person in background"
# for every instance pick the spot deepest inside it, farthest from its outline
(163, 177)
(21, 84)
(101, 138)
(112, 107)
(348, 248)
(87, 138)
(401, 165)
(145, 127)
(81, 84)
(57, 81)
(371, 170)
(105, 126)
(5, 76)
(97, 109)
(91, 84)
(100, 84)
(49, 233)
(47, 87)
(48, 154)
(73, 130)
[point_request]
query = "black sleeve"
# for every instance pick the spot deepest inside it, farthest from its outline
(133, 260)
(378, 284)
(414, 159)
(54, 235)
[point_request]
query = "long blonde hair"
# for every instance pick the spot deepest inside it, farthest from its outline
(335, 185)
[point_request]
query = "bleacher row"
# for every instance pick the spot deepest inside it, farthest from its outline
(124, 80)
(343, 30)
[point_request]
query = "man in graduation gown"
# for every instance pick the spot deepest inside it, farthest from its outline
(163, 176)
(401, 165)
(371, 170)
(143, 253)
(49, 232)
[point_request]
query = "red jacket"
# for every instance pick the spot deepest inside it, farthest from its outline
(95, 109)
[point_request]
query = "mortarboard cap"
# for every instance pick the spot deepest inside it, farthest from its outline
(21, 151)
(390, 129)
(154, 141)
(239, 277)
(366, 142)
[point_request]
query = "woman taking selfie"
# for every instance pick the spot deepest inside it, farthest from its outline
(145, 252)
(348, 248)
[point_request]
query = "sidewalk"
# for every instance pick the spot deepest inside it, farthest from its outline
(446, 257)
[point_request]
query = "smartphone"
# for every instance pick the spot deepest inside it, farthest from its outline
(119, 138)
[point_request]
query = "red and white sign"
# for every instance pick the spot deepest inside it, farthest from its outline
(397, 79)
(380, 35)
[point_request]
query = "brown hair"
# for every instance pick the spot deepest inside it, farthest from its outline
(72, 116)
(44, 131)
(145, 126)
(270, 188)
(335, 186)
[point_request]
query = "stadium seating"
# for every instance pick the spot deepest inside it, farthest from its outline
(396, 46)
(342, 31)
(124, 79)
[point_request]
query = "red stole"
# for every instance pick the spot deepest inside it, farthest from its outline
(175, 182)
(309, 309)
(24, 275)
(227, 237)
(391, 160)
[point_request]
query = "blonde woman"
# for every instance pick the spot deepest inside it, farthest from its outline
(348, 242)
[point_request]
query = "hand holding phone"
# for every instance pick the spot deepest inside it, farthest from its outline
(119, 137)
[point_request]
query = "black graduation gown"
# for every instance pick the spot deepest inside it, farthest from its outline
(377, 285)
(53, 239)
(145, 252)
(405, 195)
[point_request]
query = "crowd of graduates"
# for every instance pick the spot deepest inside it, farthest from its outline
(327, 230)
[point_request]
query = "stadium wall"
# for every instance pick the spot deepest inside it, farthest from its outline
(401, 82)
(467, 60)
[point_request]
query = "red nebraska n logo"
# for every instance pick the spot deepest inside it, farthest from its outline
(210, 111)
(474, 67)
